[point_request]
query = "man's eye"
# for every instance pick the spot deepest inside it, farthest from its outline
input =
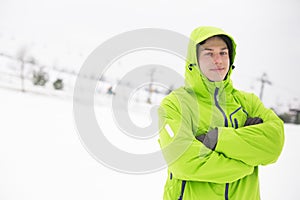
(209, 54)
(223, 53)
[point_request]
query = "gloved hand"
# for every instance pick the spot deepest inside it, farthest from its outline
(209, 139)
(252, 121)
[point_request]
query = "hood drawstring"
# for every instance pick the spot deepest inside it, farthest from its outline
(191, 66)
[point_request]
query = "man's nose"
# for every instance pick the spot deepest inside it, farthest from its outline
(217, 58)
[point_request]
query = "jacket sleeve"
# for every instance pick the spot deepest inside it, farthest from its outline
(255, 145)
(189, 159)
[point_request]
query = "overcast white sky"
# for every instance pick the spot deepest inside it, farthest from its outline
(64, 32)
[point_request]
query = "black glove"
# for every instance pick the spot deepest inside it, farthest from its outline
(252, 121)
(209, 139)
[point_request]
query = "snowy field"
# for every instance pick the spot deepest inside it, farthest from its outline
(42, 158)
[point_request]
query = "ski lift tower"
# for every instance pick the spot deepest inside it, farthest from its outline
(264, 80)
(151, 86)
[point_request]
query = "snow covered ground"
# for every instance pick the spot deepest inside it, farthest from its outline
(41, 157)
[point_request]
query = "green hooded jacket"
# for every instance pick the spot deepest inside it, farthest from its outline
(231, 170)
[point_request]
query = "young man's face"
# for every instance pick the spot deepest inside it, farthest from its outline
(213, 59)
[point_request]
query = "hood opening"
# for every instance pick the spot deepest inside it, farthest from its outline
(194, 78)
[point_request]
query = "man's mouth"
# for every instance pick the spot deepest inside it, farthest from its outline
(218, 69)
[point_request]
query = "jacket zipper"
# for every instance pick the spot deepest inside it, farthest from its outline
(226, 125)
(226, 191)
(219, 107)
(235, 125)
(182, 190)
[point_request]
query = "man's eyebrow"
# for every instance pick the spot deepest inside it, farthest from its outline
(208, 49)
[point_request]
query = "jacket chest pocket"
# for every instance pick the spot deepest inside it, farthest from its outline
(235, 118)
(238, 117)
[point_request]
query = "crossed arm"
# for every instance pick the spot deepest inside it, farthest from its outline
(235, 153)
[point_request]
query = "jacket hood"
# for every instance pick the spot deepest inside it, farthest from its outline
(195, 80)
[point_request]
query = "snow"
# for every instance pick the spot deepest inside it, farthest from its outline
(281, 180)
(41, 156)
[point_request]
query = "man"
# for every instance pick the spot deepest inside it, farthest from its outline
(212, 135)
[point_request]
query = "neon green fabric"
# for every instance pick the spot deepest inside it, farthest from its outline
(231, 170)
